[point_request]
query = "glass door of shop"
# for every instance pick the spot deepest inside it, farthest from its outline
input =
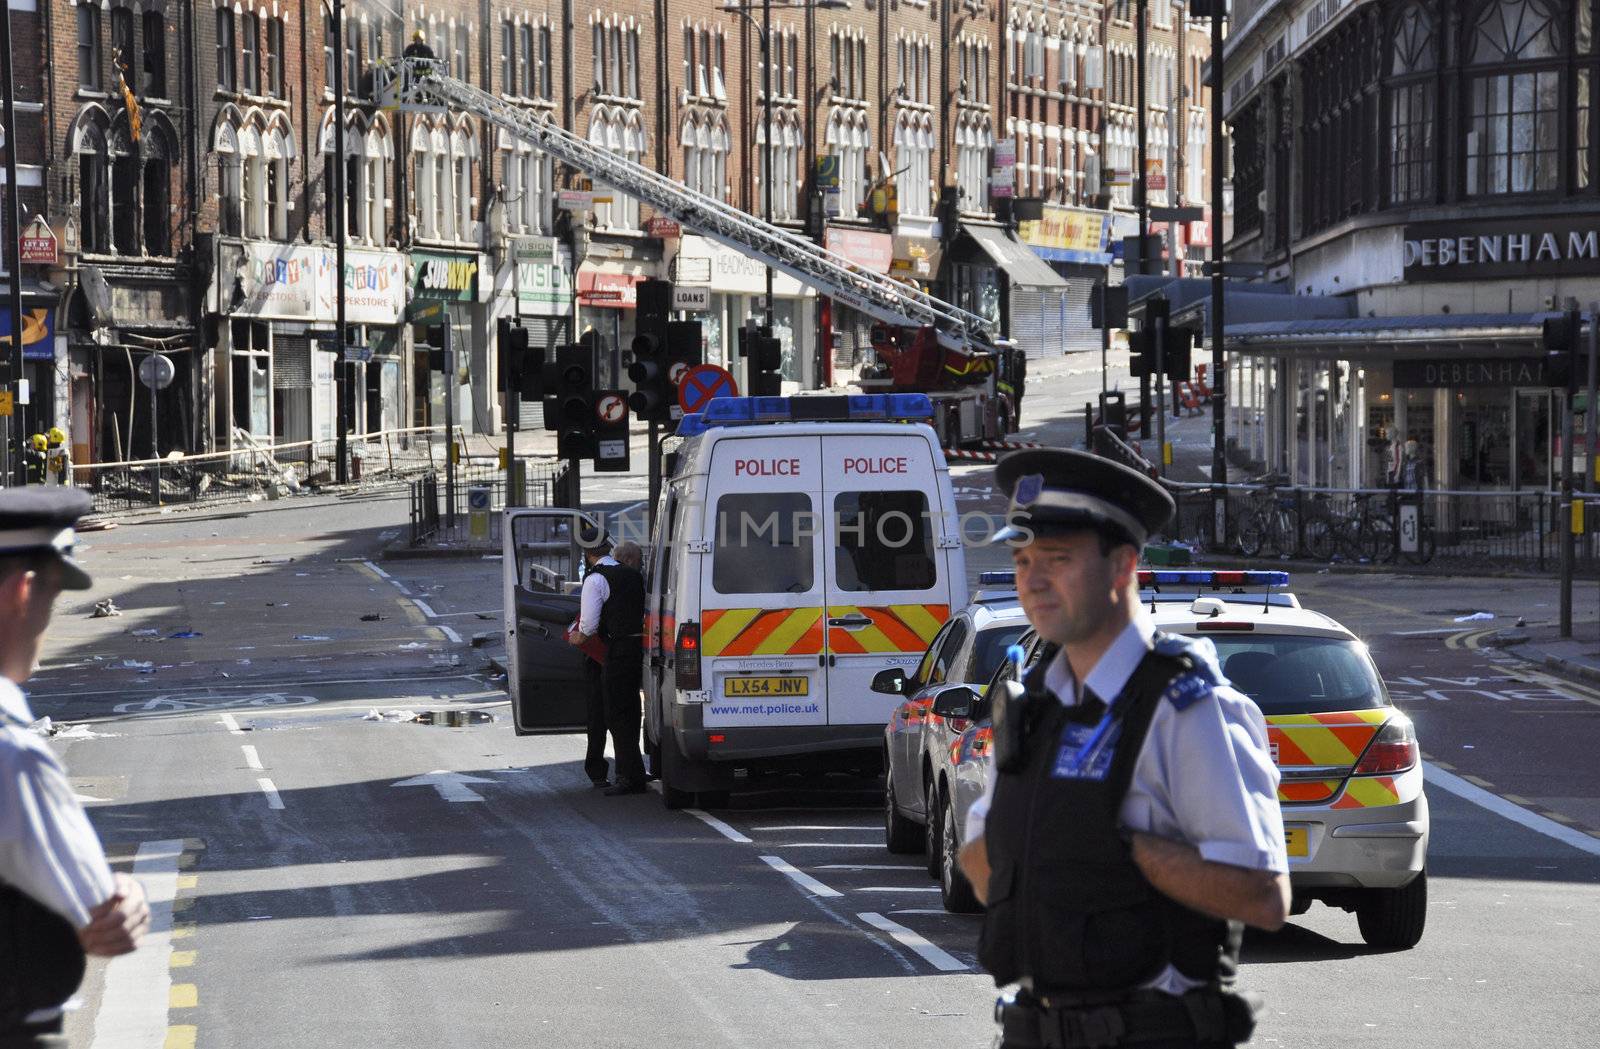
(1533, 450)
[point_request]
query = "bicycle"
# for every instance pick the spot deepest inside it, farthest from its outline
(1270, 526)
(1362, 535)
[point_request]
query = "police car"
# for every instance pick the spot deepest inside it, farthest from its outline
(1354, 813)
(917, 742)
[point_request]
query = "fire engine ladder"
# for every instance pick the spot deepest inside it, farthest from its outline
(417, 85)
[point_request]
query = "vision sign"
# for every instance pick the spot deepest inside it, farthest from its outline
(1502, 248)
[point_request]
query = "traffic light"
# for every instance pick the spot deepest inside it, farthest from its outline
(1175, 356)
(1142, 353)
(514, 364)
(572, 402)
(1561, 350)
(653, 394)
(433, 339)
(764, 354)
(684, 342)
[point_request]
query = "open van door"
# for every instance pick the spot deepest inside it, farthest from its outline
(542, 566)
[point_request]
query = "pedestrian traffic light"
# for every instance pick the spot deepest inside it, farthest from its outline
(764, 354)
(1561, 350)
(433, 339)
(653, 395)
(1175, 355)
(571, 403)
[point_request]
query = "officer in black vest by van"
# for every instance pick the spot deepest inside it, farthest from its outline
(612, 608)
(1131, 827)
(59, 901)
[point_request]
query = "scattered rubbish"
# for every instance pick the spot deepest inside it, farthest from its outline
(312, 637)
(389, 715)
(1521, 621)
(1475, 617)
(244, 662)
(105, 609)
(479, 640)
(274, 561)
(185, 634)
(219, 602)
(371, 617)
(258, 917)
(453, 718)
(146, 632)
(44, 727)
(1468, 746)
(78, 732)
(134, 664)
(411, 646)
(484, 615)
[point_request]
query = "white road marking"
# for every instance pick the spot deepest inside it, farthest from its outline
(939, 959)
(832, 845)
(251, 758)
(495, 612)
(274, 799)
(423, 606)
(133, 1007)
(378, 570)
(717, 825)
(231, 725)
(1513, 812)
(898, 888)
(923, 910)
(800, 878)
(451, 634)
(817, 826)
(452, 786)
(871, 867)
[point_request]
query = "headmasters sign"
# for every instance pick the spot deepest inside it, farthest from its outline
(1501, 248)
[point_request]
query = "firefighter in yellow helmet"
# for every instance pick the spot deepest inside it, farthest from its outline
(418, 48)
(34, 458)
(58, 458)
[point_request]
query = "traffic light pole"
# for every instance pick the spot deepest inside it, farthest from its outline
(449, 425)
(1160, 379)
(1568, 539)
(654, 452)
(341, 366)
(513, 410)
(1219, 393)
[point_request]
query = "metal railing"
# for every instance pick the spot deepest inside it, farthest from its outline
(480, 499)
(1386, 526)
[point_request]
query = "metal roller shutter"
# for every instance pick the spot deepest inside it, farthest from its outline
(545, 333)
(291, 362)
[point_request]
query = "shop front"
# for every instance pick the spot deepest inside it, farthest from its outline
(737, 286)
(374, 298)
(607, 283)
(544, 295)
(265, 298)
(47, 389)
(1076, 243)
(453, 281)
(850, 330)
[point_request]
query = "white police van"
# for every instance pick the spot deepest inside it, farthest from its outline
(801, 546)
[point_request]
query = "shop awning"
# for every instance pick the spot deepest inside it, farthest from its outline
(1015, 258)
(1254, 307)
(1381, 337)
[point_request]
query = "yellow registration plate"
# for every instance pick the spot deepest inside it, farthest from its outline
(1298, 839)
(788, 685)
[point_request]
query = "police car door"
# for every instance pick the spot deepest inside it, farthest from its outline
(761, 584)
(541, 568)
(888, 577)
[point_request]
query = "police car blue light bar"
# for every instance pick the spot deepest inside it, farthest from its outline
(741, 411)
(1148, 578)
(1006, 578)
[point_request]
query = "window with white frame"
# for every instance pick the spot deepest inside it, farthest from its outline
(252, 195)
(462, 149)
(1194, 158)
(379, 157)
(424, 215)
(914, 156)
(276, 149)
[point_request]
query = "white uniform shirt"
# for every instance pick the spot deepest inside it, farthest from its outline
(593, 595)
(1204, 776)
(48, 850)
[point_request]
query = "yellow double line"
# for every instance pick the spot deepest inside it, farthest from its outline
(183, 995)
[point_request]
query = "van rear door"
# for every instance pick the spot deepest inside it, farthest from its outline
(888, 577)
(761, 584)
(541, 566)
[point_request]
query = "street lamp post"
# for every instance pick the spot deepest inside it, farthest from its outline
(12, 259)
(341, 394)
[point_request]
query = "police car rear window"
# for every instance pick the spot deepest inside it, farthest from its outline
(882, 541)
(991, 648)
(763, 544)
(1288, 674)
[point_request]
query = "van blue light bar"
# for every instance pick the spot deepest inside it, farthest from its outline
(1213, 579)
(743, 411)
(997, 578)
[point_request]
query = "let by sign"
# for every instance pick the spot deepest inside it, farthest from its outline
(38, 244)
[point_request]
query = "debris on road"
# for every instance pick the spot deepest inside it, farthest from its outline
(184, 634)
(134, 664)
(1475, 617)
(389, 715)
(371, 617)
(43, 726)
(453, 718)
(479, 640)
(105, 609)
(148, 631)
(312, 637)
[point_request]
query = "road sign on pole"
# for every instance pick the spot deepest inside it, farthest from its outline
(702, 383)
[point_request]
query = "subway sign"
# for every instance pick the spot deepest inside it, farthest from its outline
(438, 276)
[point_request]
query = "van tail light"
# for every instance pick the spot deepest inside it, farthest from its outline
(687, 664)
(1393, 749)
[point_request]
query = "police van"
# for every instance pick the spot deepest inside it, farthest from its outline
(801, 546)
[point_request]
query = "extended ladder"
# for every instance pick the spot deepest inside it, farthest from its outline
(417, 85)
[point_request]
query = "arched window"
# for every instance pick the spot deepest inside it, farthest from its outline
(1513, 105)
(1411, 103)
(225, 144)
(633, 149)
(124, 192)
(424, 213)
(380, 156)
(444, 196)
(275, 152)
(689, 140)
(252, 197)
(157, 147)
(463, 148)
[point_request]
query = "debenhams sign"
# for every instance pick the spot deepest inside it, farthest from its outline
(1503, 248)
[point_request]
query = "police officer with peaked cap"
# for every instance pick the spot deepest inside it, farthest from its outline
(612, 604)
(1130, 826)
(59, 900)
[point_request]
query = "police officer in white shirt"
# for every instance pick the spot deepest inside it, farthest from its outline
(59, 900)
(611, 607)
(1130, 826)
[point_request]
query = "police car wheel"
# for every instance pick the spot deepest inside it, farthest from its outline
(932, 830)
(900, 833)
(673, 798)
(954, 888)
(1393, 919)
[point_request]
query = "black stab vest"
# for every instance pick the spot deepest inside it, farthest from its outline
(41, 961)
(622, 615)
(1068, 908)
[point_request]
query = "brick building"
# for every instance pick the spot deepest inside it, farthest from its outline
(209, 234)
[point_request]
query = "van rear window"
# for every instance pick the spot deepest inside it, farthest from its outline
(883, 541)
(763, 544)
